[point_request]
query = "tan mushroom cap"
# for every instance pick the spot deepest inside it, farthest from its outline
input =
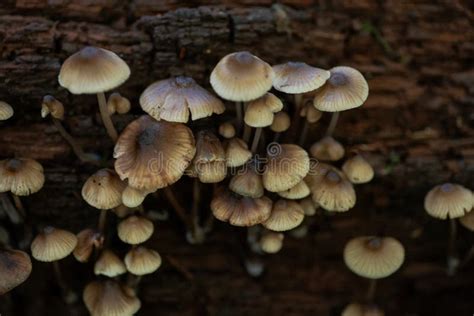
(227, 130)
(468, 220)
(241, 76)
(52, 106)
(132, 197)
(247, 182)
(174, 98)
(110, 298)
(109, 264)
(153, 154)
(331, 189)
(117, 103)
(374, 257)
(345, 89)
(240, 210)
(449, 200)
(6, 111)
(103, 190)
(209, 164)
(122, 211)
(21, 176)
(309, 206)
(87, 240)
(92, 70)
(271, 242)
(281, 122)
(15, 268)
(135, 230)
(260, 112)
(287, 164)
(141, 261)
(53, 244)
(237, 152)
(311, 114)
(327, 149)
(285, 215)
(355, 309)
(297, 77)
(358, 170)
(299, 191)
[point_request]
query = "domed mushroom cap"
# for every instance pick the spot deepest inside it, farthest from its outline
(327, 149)
(286, 165)
(358, 170)
(21, 176)
(247, 182)
(271, 242)
(240, 210)
(260, 112)
(345, 89)
(281, 122)
(209, 164)
(355, 309)
(227, 130)
(330, 188)
(285, 215)
(299, 191)
(448, 200)
(374, 257)
(109, 298)
(132, 197)
(87, 240)
(311, 114)
(109, 264)
(52, 106)
(92, 70)
(15, 268)
(241, 76)
(237, 152)
(103, 190)
(117, 103)
(53, 244)
(297, 77)
(174, 98)
(141, 261)
(153, 154)
(6, 111)
(135, 230)
(309, 206)
(468, 220)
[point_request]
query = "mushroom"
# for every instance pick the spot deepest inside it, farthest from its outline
(309, 206)
(356, 309)
(327, 149)
(227, 130)
(132, 197)
(358, 170)
(281, 122)
(285, 215)
(311, 115)
(247, 181)
(237, 152)
(109, 264)
(94, 70)
(87, 240)
(299, 191)
(118, 104)
(141, 261)
(6, 111)
(15, 268)
(135, 230)
(271, 242)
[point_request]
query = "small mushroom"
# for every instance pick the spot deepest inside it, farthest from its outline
(135, 230)
(109, 264)
(132, 197)
(358, 170)
(327, 149)
(247, 182)
(285, 215)
(299, 191)
(118, 104)
(237, 152)
(281, 122)
(271, 242)
(356, 309)
(15, 268)
(6, 111)
(227, 130)
(87, 240)
(141, 261)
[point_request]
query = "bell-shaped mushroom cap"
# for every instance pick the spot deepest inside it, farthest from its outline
(260, 112)
(240, 210)
(331, 189)
(345, 89)
(241, 76)
(247, 182)
(87, 240)
(109, 264)
(286, 165)
(448, 200)
(132, 197)
(327, 149)
(297, 77)
(271, 242)
(281, 122)
(15, 268)
(358, 170)
(21, 176)
(52, 106)
(92, 70)
(374, 257)
(285, 215)
(153, 154)
(227, 130)
(309, 206)
(117, 103)
(53, 244)
(135, 230)
(122, 211)
(311, 114)
(355, 309)
(299, 191)
(109, 298)
(141, 261)
(103, 190)
(172, 100)
(209, 164)
(468, 220)
(6, 111)
(237, 152)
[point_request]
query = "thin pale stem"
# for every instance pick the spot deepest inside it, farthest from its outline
(304, 132)
(332, 124)
(247, 133)
(195, 208)
(238, 107)
(180, 211)
(76, 148)
(106, 119)
(371, 291)
(19, 206)
(452, 259)
(102, 221)
(256, 138)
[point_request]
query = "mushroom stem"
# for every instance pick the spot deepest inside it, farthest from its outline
(371, 290)
(276, 137)
(332, 124)
(256, 138)
(12, 212)
(198, 234)
(298, 98)
(304, 132)
(68, 295)
(19, 206)
(238, 107)
(102, 221)
(452, 259)
(133, 281)
(106, 120)
(180, 211)
(247, 132)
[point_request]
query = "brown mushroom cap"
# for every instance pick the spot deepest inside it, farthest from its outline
(260, 112)
(298, 77)
(448, 200)
(299, 191)
(6, 111)
(132, 197)
(135, 230)
(237, 152)
(286, 165)
(87, 240)
(109, 264)
(53, 244)
(247, 182)
(345, 89)
(209, 163)
(153, 154)
(227, 130)
(358, 170)
(21, 176)
(117, 103)
(103, 190)
(468, 220)
(240, 210)
(309, 206)
(241, 76)
(15, 268)
(374, 257)
(311, 114)
(285, 215)
(271, 242)
(281, 122)
(109, 298)
(174, 98)
(92, 70)
(52, 106)
(327, 149)
(141, 261)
